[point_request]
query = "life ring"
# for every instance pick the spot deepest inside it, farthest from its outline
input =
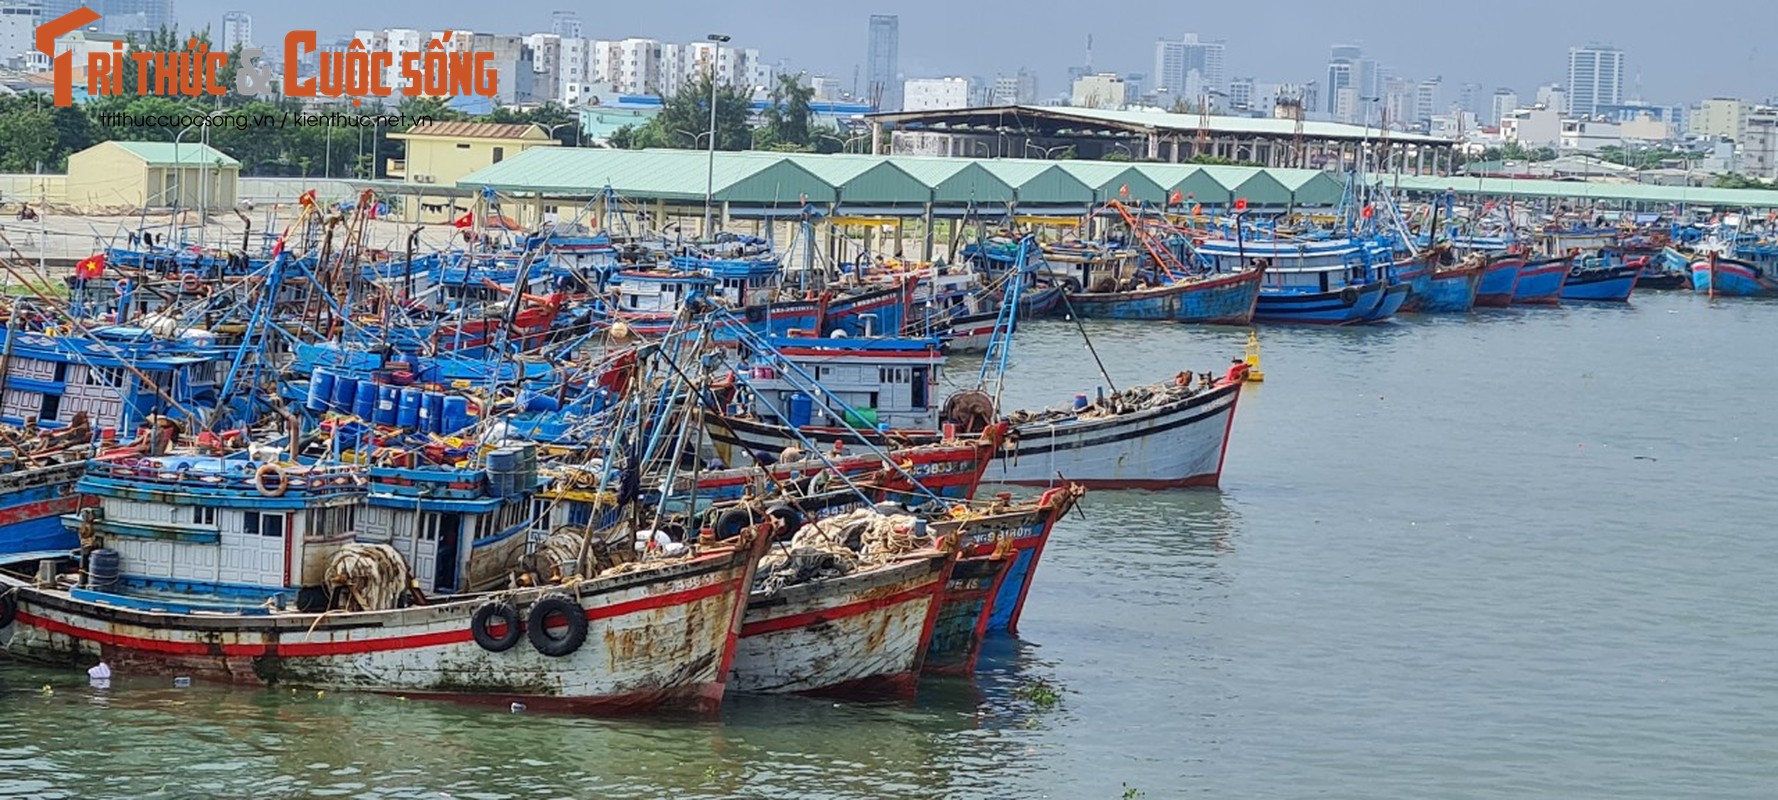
(791, 518)
(507, 615)
(122, 285)
(9, 609)
(1349, 295)
(732, 522)
(537, 629)
(191, 283)
(270, 491)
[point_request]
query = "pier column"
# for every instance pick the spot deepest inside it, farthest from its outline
(929, 232)
(1154, 146)
(876, 137)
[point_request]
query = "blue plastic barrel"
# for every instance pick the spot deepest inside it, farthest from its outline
(408, 414)
(427, 422)
(1080, 402)
(388, 398)
(345, 389)
(320, 390)
(364, 405)
(801, 408)
(503, 469)
(456, 414)
(102, 568)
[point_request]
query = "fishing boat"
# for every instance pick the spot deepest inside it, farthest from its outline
(999, 549)
(1169, 290)
(1448, 288)
(1540, 281)
(36, 489)
(1732, 277)
(828, 618)
(216, 567)
(1606, 277)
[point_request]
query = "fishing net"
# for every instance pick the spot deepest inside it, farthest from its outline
(373, 577)
(836, 547)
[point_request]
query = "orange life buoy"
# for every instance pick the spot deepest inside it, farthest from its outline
(259, 481)
(191, 283)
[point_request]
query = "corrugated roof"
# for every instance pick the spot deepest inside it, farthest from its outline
(781, 179)
(1040, 181)
(1158, 120)
(1107, 178)
(956, 181)
(865, 179)
(753, 178)
(473, 130)
(167, 154)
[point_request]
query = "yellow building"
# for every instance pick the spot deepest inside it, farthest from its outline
(440, 153)
(152, 175)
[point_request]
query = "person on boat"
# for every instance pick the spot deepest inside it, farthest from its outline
(1237, 371)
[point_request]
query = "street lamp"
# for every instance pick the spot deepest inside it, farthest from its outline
(710, 173)
(1046, 151)
(552, 131)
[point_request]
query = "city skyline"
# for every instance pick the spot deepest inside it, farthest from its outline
(937, 41)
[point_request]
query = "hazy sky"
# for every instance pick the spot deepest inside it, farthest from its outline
(1515, 43)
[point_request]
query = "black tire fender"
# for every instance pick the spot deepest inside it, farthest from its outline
(489, 612)
(537, 629)
(732, 522)
(1349, 295)
(790, 516)
(9, 608)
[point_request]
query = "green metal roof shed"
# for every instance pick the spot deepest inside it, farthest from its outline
(1253, 184)
(1106, 178)
(1311, 187)
(1041, 182)
(1190, 181)
(956, 181)
(861, 179)
(171, 154)
(750, 179)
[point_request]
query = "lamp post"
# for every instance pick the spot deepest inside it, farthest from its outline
(1046, 151)
(552, 131)
(710, 173)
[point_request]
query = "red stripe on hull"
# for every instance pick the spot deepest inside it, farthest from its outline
(39, 510)
(702, 698)
(311, 649)
(1208, 479)
(841, 612)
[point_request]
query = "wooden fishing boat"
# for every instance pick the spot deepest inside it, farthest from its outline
(1733, 277)
(1000, 548)
(1213, 300)
(860, 633)
(1602, 280)
(1540, 281)
(217, 568)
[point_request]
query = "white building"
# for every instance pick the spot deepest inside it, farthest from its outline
(934, 94)
(18, 24)
(1502, 104)
(825, 88)
(1172, 60)
(1724, 117)
(237, 30)
(1595, 78)
(1241, 95)
(1552, 96)
(565, 24)
(1532, 127)
(1758, 148)
(1589, 135)
(1103, 90)
(1014, 89)
(628, 66)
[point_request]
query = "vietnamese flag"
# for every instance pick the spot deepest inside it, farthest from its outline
(90, 267)
(465, 221)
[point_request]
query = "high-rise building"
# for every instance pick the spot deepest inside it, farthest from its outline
(1015, 89)
(1429, 98)
(1471, 99)
(1595, 78)
(120, 16)
(1347, 68)
(883, 62)
(1172, 60)
(565, 24)
(237, 30)
(18, 25)
(1242, 94)
(1552, 96)
(1504, 102)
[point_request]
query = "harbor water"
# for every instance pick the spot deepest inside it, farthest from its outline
(1518, 554)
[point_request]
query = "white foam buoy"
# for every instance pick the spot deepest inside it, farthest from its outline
(518, 707)
(99, 675)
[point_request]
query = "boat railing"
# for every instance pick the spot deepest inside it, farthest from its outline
(269, 478)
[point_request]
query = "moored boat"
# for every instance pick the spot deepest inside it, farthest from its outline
(829, 618)
(1211, 300)
(1733, 277)
(1602, 281)
(1540, 281)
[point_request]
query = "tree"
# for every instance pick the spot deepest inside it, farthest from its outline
(684, 118)
(789, 116)
(27, 134)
